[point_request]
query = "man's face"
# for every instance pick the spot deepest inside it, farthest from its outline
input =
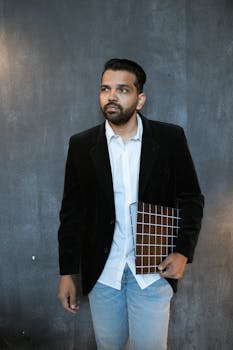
(119, 97)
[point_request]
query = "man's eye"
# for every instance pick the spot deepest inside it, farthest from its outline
(123, 90)
(104, 88)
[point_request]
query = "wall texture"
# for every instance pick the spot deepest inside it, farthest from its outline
(51, 56)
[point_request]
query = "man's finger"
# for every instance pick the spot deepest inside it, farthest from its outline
(65, 303)
(74, 304)
(71, 308)
(167, 273)
(163, 265)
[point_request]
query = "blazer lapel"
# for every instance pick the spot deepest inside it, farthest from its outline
(100, 158)
(149, 156)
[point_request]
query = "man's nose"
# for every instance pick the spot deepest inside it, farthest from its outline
(112, 96)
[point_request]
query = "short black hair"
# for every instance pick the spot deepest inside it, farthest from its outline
(130, 66)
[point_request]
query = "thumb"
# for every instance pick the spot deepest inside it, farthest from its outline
(162, 266)
(73, 302)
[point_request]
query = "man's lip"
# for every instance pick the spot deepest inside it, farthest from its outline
(111, 107)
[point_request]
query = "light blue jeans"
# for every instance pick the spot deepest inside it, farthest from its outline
(142, 315)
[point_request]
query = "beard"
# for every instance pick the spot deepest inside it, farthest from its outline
(119, 116)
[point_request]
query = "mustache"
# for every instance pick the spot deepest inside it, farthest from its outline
(112, 104)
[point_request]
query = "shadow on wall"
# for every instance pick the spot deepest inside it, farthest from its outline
(57, 332)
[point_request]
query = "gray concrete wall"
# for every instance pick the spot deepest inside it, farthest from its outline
(51, 56)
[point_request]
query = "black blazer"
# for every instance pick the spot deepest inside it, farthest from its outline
(167, 177)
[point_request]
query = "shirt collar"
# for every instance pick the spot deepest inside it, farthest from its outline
(111, 134)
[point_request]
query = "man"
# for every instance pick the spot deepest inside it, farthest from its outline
(126, 159)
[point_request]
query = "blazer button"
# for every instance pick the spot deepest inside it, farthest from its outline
(112, 222)
(106, 250)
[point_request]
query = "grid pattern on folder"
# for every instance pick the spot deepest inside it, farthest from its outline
(156, 232)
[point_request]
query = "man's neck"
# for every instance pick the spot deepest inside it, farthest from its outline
(127, 130)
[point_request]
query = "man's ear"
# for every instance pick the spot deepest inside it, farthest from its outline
(141, 100)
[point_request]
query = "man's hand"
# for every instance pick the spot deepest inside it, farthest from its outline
(67, 293)
(173, 266)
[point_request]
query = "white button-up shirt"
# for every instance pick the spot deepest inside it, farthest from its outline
(125, 164)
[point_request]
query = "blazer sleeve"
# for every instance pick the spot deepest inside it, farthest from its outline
(71, 218)
(190, 198)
